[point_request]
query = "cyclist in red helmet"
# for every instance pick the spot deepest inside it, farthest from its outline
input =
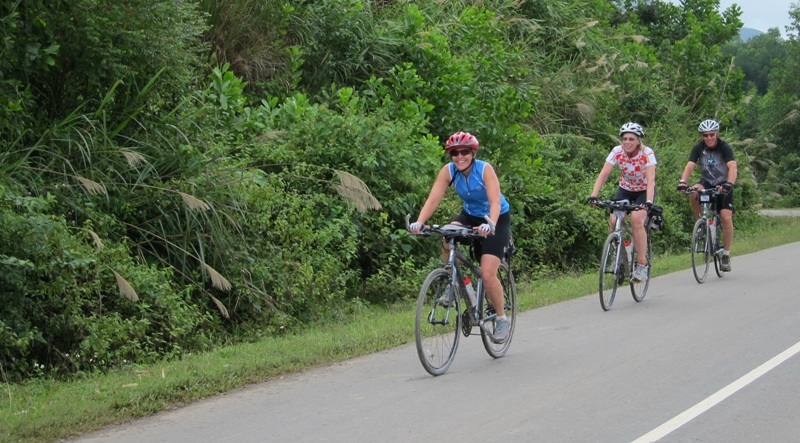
(476, 182)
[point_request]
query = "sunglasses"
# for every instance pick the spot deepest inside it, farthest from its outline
(461, 152)
(710, 135)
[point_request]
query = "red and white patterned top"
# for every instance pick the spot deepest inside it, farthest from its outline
(633, 177)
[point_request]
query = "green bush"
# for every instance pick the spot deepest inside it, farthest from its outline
(63, 311)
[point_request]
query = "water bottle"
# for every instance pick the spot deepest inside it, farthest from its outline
(628, 250)
(713, 229)
(470, 290)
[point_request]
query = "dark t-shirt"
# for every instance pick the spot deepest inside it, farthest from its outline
(714, 161)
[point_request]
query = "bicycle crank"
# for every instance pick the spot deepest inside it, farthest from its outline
(466, 323)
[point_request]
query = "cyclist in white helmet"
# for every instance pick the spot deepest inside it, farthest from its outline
(719, 169)
(637, 184)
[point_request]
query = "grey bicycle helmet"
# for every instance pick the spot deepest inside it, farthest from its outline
(708, 126)
(632, 127)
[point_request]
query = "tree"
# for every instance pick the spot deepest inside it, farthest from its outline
(757, 57)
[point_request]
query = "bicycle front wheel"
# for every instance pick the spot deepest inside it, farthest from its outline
(438, 324)
(639, 287)
(506, 278)
(611, 272)
(701, 250)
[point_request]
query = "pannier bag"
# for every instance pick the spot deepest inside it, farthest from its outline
(655, 218)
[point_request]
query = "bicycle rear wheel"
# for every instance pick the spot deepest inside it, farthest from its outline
(438, 324)
(639, 288)
(701, 250)
(506, 278)
(611, 272)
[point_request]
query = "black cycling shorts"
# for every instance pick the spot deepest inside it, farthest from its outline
(724, 201)
(496, 244)
(634, 197)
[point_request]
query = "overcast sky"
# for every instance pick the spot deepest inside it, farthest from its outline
(761, 14)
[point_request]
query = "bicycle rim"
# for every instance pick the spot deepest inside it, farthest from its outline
(610, 270)
(438, 328)
(506, 277)
(639, 288)
(701, 250)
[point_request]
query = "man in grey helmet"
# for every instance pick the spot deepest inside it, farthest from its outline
(719, 169)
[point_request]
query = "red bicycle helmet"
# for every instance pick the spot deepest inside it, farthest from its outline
(461, 139)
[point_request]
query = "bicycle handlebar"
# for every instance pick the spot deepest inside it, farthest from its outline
(704, 191)
(618, 205)
(451, 230)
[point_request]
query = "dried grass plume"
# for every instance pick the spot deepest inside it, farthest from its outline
(356, 191)
(125, 288)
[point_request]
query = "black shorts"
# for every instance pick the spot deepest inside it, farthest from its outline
(634, 197)
(496, 244)
(724, 201)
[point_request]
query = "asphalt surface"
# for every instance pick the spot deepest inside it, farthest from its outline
(715, 362)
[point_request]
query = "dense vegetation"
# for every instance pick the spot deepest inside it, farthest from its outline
(175, 175)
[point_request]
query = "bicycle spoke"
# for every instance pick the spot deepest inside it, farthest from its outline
(610, 272)
(506, 278)
(437, 329)
(700, 250)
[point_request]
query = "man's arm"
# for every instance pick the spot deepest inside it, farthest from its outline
(687, 171)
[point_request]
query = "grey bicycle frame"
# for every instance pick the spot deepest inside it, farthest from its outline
(619, 231)
(710, 212)
(456, 278)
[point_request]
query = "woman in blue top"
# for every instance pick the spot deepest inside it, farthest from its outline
(476, 183)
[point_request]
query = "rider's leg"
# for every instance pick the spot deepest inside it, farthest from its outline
(727, 228)
(494, 289)
(612, 223)
(639, 235)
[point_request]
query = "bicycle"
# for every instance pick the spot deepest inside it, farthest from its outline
(440, 320)
(615, 264)
(706, 235)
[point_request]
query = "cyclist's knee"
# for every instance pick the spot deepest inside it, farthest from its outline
(637, 219)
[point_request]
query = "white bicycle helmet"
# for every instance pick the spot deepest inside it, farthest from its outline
(632, 127)
(708, 126)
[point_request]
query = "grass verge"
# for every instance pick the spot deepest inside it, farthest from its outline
(47, 410)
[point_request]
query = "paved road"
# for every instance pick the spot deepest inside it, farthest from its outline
(781, 212)
(711, 362)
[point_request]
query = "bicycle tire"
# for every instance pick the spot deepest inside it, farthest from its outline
(497, 350)
(718, 245)
(701, 250)
(639, 288)
(437, 328)
(610, 271)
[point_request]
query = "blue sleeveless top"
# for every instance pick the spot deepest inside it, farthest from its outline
(473, 191)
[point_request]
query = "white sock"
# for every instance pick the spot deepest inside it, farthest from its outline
(726, 252)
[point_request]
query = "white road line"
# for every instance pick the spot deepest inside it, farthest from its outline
(717, 397)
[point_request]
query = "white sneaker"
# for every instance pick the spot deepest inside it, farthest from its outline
(502, 328)
(640, 272)
(446, 298)
(725, 263)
